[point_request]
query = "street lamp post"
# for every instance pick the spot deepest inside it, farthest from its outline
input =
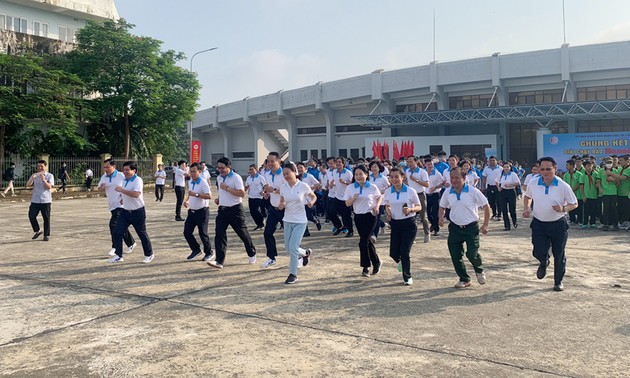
(191, 70)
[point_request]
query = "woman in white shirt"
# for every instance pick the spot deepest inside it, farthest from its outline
(160, 180)
(472, 178)
(365, 199)
(507, 184)
(379, 178)
(401, 204)
(293, 195)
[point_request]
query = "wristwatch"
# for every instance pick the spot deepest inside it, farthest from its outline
(196, 194)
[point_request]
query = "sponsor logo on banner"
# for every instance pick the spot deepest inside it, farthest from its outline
(195, 151)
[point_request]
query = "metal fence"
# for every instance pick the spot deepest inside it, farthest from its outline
(75, 166)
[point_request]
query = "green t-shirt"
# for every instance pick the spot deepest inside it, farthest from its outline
(573, 182)
(609, 188)
(590, 186)
(624, 186)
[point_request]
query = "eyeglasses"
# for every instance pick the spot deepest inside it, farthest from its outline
(545, 169)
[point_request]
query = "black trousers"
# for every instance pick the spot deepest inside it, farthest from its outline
(273, 218)
(232, 216)
(256, 207)
(491, 193)
(554, 235)
(137, 219)
(592, 210)
(64, 182)
(338, 208)
(422, 215)
(332, 212)
(113, 220)
(507, 199)
(34, 210)
(576, 215)
(365, 225)
(403, 233)
(179, 193)
(88, 183)
(623, 206)
(311, 215)
(610, 217)
(433, 207)
(159, 192)
(198, 219)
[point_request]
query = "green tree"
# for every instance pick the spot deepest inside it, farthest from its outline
(38, 107)
(140, 97)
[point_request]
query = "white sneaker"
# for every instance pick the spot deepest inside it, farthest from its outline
(481, 278)
(252, 260)
(373, 239)
(112, 252)
(148, 259)
(215, 264)
(409, 282)
(130, 248)
(269, 263)
(115, 259)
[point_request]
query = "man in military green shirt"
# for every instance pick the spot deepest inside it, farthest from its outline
(607, 186)
(572, 177)
(621, 175)
(590, 195)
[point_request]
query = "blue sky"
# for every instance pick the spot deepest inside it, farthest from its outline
(269, 45)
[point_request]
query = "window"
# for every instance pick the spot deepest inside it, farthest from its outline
(472, 102)
(23, 25)
(36, 28)
(303, 155)
(356, 128)
(536, 97)
(66, 34)
(610, 92)
(9, 23)
(343, 152)
(313, 154)
(242, 155)
(435, 149)
(44, 30)
(523, 140)
(414, 108)
(311, 130)
(3, 21)
(603, 126)
(354, 153)
(324, 153)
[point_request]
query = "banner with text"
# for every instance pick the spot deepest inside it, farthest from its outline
(195, 151)
(563, 146)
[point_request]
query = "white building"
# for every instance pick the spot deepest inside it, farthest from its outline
(21, 20)
(516, 99)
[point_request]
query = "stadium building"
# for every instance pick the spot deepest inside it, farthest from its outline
(500, 104)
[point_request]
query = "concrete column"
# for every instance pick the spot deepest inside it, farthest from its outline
(260, 150)
(45, 157)
(291, 124)
(331, 135)
(104, 157)
(572, 126)
(157, 159)
(503, 149)
(226, 132)
(540, 134)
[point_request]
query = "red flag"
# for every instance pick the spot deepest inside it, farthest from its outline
(404, 150)
(374, 149)
(385, 150)
(379, 148)
(396, 151)
(413, 148)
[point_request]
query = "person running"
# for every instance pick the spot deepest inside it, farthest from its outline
(197, 203)
(9, 176)
(230, 213)
(401, 204)
(436, 182)
(160, 180)
(365, 199)
(108, 183)
(378, 178)
(464, 200)
(181, 172)
(572, 177)
(489, 184)
(314, 184)
(64, 177)
(341, 178)
(274, 180)
(293, 194)
(41, 199)
(418, 179)
(255, 187)
(535, 174)
(133, 213)
(507, 184)
(553, 198)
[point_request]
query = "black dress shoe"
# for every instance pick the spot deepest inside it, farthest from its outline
(350, 234)
(506, 229)
(542, 270)
(319, 226)
(46, 238)
(179, 219)
(37, 234)
(515, 225)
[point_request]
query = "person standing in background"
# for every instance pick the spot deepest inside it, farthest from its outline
(180, 187)
(41, 199)
(63, 176)
(89, 176)
(160, 180)
(9, 175)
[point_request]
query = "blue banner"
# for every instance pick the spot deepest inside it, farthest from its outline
(563, 146)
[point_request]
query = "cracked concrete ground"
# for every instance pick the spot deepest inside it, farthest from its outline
(64, 312)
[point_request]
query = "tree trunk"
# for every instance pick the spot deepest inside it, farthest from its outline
(3, 129)
(127, 135)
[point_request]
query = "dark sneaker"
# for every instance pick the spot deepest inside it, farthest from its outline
(349, 234)
(376, 269)
(366, 272)
(542, 270)
(259, 228)
(46, 238)
(319, 226)
(559, 287)
(307, 233)
(192, 256)
(337, 231)
(179, 219)
(306, 257)
(208, 256)
(291, 279)
(37, 234)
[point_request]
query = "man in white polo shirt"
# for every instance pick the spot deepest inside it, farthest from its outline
(109, 182)
(553, 198)
(198, 200)
(181, 172)
(254, 186)
(489, 184)
(41, 199)
(273, 180)
(133, 213)
(418, 179)
(464, 202)
(231, 193)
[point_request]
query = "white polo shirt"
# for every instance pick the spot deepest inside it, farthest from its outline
(134, 184)
(545, 197)
(368, 196)
(435, 179)
(200, 185)
(471, 177)
(158, 180)
(234, 181)
(531, 177)
(275, 180)
(491, 174)
(464, 206)
(114, 198)
(205, 174)
(309, 180)
(416, 174)
(329, 179)
(255, 186)
(339, 188)
(407, 196)
(509, 179)
(180, 180)
(381, 182)
(295, 198)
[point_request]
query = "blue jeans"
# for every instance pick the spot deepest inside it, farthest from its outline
(293, 233)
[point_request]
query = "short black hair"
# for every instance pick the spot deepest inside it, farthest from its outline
(441, 153)
(549, 159)
(381, 167)
(196, 165)
(571, 162)
(274, 153)
(42, 162)
(253, 166)
(460, 170)
(181, 162)
(110, 161)
(131, 164)
(225, 161)
(290, 165)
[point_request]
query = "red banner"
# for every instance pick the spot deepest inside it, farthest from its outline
(195, 151)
